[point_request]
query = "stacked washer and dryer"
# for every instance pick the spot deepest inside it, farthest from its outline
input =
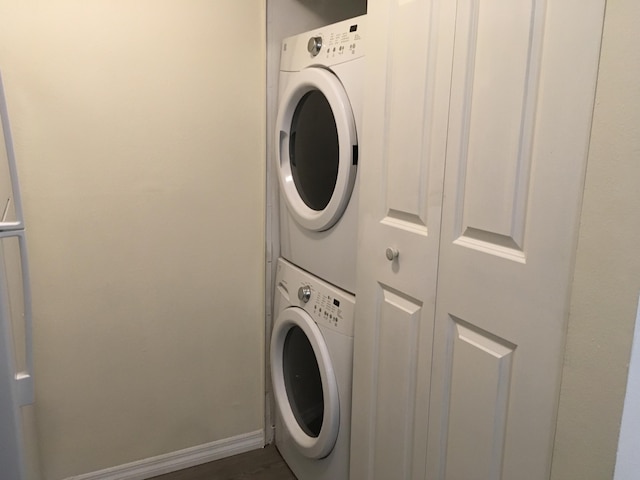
(317, 128)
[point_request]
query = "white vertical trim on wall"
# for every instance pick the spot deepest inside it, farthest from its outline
(628, 460)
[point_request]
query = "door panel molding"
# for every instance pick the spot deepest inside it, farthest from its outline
(406, 140)
(478, 367)
(496, 77)
(397, 327)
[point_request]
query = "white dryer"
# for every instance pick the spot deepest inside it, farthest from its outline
(317, 129)
(311, 369)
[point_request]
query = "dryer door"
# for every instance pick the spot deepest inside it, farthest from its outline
(316, 148)
(304, 383)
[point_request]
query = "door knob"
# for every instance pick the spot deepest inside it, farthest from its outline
(391, 253)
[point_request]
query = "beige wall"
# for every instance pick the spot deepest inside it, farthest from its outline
(139, 129)
(607, 273)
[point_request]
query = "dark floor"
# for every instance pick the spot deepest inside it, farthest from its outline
(263, 464)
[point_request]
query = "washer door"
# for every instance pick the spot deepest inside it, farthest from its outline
(316, 148)
(304, 383)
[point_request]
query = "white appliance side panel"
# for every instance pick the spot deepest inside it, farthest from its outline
(10, 208)
(10, 431)
(15, 308)
(12, 354)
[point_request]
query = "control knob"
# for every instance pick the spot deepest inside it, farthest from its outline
(314, 45)
(304, 293)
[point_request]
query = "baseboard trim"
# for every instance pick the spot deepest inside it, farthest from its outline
(171, 462)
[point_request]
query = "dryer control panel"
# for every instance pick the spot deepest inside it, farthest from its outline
(330, 45)
(342, 43)
(329, 306)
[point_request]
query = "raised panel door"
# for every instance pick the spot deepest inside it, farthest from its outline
(523, 83)
(402, 169)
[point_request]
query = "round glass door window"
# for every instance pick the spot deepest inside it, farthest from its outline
(316, 148)
(313, 150)
(302, 382)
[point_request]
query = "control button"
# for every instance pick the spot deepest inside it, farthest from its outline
(304, 293)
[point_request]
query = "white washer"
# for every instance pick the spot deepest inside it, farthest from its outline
(317, 129)
(311, 369)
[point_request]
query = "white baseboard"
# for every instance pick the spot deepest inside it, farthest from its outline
(171, 462)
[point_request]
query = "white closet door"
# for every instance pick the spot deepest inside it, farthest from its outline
(402, 168)
(522, 94)
(470, 391)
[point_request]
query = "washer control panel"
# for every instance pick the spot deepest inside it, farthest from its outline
(327, 305)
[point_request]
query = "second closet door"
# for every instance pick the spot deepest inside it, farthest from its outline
(402, 168)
